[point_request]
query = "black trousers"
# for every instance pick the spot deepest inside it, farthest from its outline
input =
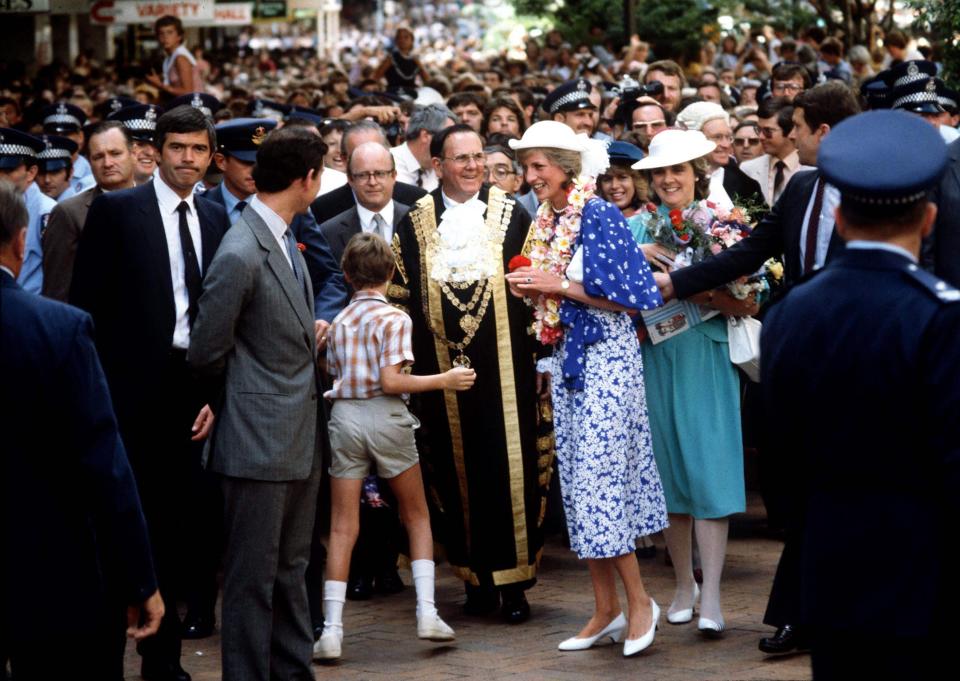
(843, 655)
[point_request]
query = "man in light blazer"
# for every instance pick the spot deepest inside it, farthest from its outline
(255, 336)
(112, 162)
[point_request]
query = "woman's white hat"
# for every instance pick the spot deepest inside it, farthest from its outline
(671, 147)
(556, 135)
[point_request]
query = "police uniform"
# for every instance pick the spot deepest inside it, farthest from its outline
(208, 104)
(304, 114)
(140, 120)
(571, 95)
(17, 148)
(62, 118)
(56, 155)
(240, 138)
(265, 108)
(861, 372)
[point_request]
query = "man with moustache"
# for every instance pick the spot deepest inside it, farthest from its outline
(56, 167)
(138, 272)
(479, 448)
(112, 162)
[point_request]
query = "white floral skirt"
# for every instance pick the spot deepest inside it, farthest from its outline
(608, 476)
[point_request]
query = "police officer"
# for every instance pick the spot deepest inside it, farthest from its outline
(68, 120)
(861, 367)
(141, 121)
(19, 165)
(570, 103)
(208, 104)
(55, 167)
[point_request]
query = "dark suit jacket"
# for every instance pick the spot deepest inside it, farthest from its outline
(860, 367)
(329, 289)
(942, 249)
(341, 199)
(60, 240)
(739, 184)
(72, 522)
(778, 234)
(339, 229)
(122, 278)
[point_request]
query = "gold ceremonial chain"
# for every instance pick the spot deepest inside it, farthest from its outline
(452, 297)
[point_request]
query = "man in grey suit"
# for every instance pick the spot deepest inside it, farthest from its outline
(112, 163)
(255, 334)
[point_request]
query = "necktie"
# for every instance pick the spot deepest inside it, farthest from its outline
(240, 206)
(379, 225)
(419, 177)
(813, 226)
(778, 178)
(191, 267)
(294, 258)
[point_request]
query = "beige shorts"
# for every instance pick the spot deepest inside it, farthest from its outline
(376, 430)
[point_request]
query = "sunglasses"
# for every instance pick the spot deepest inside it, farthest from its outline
(746, 141)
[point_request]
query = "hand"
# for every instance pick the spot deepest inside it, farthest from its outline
(543, 384)
(611, 109)
(320, 328)
(529, 280)
(734, 307)
(154, 79)
(658, 256)
(459, 378)
(203, 425)
(383, 114)
(665, 284)
(153, 610)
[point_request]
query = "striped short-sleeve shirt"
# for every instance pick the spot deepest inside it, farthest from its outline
(368, 334)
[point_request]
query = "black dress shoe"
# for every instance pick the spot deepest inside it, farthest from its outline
(788, 639)
(515, 608)
(197, 626)
(389, 582)
(360, 588)
(163, 671)
(481, 600)
(317, 632)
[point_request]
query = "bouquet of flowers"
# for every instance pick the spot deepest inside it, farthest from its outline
(702, 231)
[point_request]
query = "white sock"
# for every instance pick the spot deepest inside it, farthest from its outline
(423, 581)
(334, 595)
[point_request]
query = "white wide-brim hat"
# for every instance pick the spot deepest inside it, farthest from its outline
(671, 147)
(556, 135)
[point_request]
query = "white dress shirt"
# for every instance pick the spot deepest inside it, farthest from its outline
(408, 165)
(169, 200)
(275, 224)
(763, 169)
(864, 245)
(718, 194)
(450, 203)
(831, 199)
(331, 179)
(366, 219)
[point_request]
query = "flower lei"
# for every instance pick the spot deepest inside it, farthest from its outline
(551, 249)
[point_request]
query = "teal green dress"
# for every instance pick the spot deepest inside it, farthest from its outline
(693, 396)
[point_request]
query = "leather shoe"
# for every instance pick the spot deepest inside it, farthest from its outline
(163, 671)
(787, 640)
(360, 588)
(514, 609)
(480, 600)
(196, 626)
(389, 582)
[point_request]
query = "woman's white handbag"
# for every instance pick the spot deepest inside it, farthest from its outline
(743, 334)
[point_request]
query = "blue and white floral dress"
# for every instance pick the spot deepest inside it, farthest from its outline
(608, 476)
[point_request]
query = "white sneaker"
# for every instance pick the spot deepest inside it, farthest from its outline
(329, 645)
(432, 628)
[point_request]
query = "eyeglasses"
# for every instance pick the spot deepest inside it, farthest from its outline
(746, 141)
(721, 138)
(786, 87)
(769, 132)
(378, 175)
(500, 172)
(650, 125)
(464, 159)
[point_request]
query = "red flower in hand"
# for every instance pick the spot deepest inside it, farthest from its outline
(301, 247)
(518, 261)
(651, 207)
(676, 217)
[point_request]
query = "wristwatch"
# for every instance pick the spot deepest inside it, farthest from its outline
(564, 284)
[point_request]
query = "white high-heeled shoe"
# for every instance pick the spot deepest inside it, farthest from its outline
(614, 630)
(330, 643)
(710, 628)
(685, 615)
(633, 646)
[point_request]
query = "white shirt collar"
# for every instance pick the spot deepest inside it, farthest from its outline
(366, 216)
(450, 203)
(864, 245)
(274, 222)
(8, 271)
(406, 158)
(169, 199)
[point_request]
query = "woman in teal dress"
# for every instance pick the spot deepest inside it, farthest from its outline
(693, 394)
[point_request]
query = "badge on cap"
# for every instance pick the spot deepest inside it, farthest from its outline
(582, 84)
(258, 135)
(116, 105)
(196, 102)
(913, 69)
(62, 109)
(151, 115)
(931, 85)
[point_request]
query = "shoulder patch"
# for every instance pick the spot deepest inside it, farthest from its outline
(938, 288)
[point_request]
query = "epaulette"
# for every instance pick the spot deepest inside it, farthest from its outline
(940, 289)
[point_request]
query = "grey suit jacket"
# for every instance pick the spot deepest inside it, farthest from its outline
(255, 333)
(60, 240)
(339, 229)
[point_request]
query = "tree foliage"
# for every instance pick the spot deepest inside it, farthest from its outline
(941, 21)
(574, 18)
(674, 28)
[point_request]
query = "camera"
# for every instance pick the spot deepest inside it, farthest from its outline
(630, 90)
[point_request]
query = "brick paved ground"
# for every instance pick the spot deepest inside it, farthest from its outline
(381, 634)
